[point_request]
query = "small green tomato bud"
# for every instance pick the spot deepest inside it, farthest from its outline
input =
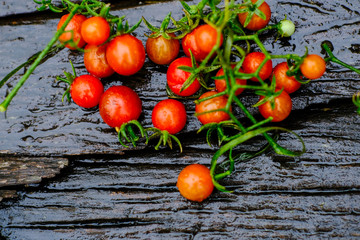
(286, 28)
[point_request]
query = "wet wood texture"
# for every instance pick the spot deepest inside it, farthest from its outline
(63, 174)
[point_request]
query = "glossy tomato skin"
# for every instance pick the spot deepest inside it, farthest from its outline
(125, 54)
(206, 37)
(169, 115)
(209, 105)
(177, 77)
(282, 109)
(194, 183)
(118, 105)
(189, 43)
(73, 30)
(95, 61)
(313, 66)
(95, 30)
(86, 91)
(162, 51)
(252, 62)
(220, 84)
(283, 81)
(256, 22)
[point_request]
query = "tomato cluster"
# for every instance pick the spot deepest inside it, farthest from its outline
(109, 51)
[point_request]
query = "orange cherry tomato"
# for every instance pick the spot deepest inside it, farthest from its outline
(289, 84)
(313, 66)
(161, 50)
(282, 108)
(206, 37)
(73, 30)
(125, 54)
(210, 105)
(86, 91)
(169, 115)
(95, 61)
(188, 44)
(195, 183)
(252, 62)
(95, 30)
(220, 84)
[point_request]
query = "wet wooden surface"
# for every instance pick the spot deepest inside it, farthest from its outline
(63, 175)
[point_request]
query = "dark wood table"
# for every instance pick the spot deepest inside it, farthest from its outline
(63, 174)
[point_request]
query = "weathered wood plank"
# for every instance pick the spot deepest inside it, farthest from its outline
(22, 171)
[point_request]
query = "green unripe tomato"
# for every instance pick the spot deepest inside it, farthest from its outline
(286, 28)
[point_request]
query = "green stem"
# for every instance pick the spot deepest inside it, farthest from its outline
(4, 105)
(334, 59)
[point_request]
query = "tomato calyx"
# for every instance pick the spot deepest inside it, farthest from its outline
(165, 138)
(221, 131)
(252, 9)
(163, 30)
(268, 94)
(69, 79)
(197, 72)
(127, 133)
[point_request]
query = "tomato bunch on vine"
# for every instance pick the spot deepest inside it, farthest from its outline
(219, 63)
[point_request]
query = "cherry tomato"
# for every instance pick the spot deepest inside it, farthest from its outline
(282, 108)
(169, 115)
(252, 62)
(118, 105)
(220, 84)
(161, 50)
(256, 22)
(188, 43)
(95, 30)
(210, 105)
(289, 84)
(194, 182)
(125, 54)
(73, 30)
(313, 66)
(206, 37)
(95, 61)
(86, 91)
(177, 77)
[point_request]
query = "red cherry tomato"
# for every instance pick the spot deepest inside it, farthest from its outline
(220, 84)
(194, 183)
(95, 30)
(73, 30)
(125, 54)
(86, 91)
(188, 43)
(177, 77)
(256, 22)
(313, 66)
(206, 37)
(289, 84)
(282, 108)
(169, 115)
(210, 105)
(252, 62)
(118, 105)
(95, 61)
(161, 50)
